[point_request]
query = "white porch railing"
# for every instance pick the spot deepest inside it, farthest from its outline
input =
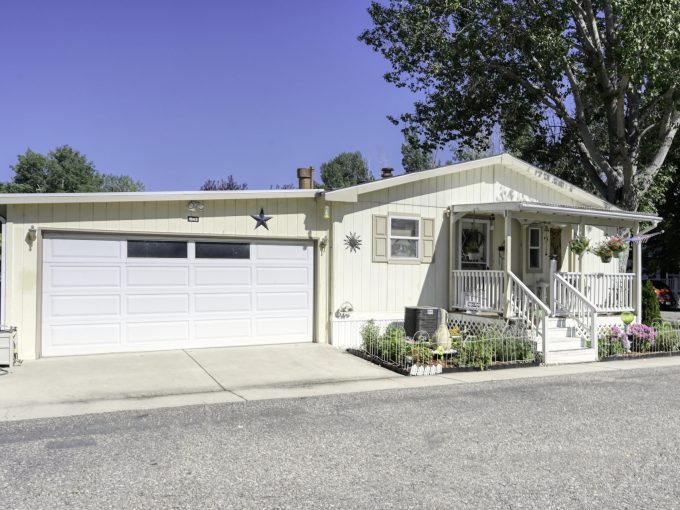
(484, 287)
(608, 292)
(568, 300)
(527, 307)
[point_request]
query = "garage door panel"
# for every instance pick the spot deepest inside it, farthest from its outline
(148, 276)
(96, 299)
(75, 249)
(158, 332)
(84, 335)
(212, 276)
(283, 326)
(61, 306)
(153, 304)
(65, 277)
(282, 276)
(267, 301)
(267, 252)
(229, 328)
(225, 302)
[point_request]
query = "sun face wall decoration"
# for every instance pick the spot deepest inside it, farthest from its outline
(352, 242)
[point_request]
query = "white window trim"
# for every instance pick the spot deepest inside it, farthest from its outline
(419, 250)
(461, 226)
(539, 268)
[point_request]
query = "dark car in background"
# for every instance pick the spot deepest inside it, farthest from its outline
(667, 300)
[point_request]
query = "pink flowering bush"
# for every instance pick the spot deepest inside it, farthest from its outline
(642, 337)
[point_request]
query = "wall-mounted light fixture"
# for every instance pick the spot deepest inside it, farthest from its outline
(194, 206)
(326, 212)
(31, 236)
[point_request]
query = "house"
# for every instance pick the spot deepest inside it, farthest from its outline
(118, 272)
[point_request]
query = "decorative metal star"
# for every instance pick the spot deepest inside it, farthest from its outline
(352, 242)
(261, 219)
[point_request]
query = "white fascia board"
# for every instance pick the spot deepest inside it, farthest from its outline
(153, 196)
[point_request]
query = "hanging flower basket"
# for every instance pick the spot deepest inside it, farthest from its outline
(603, 251)
(579, 245)
(617, 245)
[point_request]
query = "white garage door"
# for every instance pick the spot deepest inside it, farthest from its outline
(120, 295)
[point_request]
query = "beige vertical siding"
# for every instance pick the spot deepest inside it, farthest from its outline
(380, 288)
(292, 219)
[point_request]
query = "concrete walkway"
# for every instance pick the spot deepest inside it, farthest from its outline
(114, 382)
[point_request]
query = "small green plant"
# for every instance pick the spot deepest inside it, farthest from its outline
(668, 337)
(421, 353)
(370, 336)
(477, 353)
(579, 245)
(650, 304)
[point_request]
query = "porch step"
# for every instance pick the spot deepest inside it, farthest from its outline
(563, 343)
(562, 332)
(567, 356)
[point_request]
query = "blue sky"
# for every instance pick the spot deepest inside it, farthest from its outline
(175, 92)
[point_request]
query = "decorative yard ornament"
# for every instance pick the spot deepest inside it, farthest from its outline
(353, 242)
(643, 238)
(261, 219)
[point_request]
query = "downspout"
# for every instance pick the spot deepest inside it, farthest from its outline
(329, 286)
(3, 270)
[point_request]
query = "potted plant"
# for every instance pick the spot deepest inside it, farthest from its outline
(579, 245)
(603, 251)
(617, 245)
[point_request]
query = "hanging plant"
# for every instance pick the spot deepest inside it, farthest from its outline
(473, 240)
(603, 251)
(617, 245)
(579, 245)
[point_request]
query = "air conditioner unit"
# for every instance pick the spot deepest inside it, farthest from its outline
(422, 318)
(7, 343)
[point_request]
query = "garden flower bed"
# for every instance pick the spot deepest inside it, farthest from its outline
(479, 348)
(639, 341)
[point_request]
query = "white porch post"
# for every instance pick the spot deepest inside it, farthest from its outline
(453, 257)
(508, 261)
(637, 269)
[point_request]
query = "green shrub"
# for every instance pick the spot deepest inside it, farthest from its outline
(650, 304)
(421, 354)
(668, 338)
(370, 336)
(478, 353)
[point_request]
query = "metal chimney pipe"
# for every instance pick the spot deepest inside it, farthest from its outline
(305, 178)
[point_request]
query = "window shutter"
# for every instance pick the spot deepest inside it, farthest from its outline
(379, 238)
(428, 240)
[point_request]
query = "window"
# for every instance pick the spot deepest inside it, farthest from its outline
(474, 244)
(534, 242)
(157, 249)
(404, 238)
(222, 250)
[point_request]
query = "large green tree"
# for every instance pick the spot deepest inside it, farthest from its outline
(346, 169)
(591, 87)
(63, 170)
(415, 158)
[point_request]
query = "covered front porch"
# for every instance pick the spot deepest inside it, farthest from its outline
(512, 260)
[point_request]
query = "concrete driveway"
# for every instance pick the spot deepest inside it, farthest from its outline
(111, 382)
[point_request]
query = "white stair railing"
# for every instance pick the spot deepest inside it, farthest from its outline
(527, 307)
(609, 292)
(485, 287)
(567, 299)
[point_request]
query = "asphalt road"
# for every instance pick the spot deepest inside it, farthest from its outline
(606, 440)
